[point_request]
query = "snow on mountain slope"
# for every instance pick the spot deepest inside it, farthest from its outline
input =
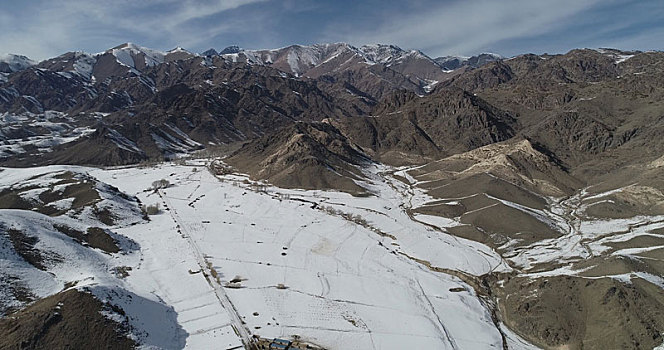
(37, 133)
(618, 55)
(179, 49)
(455, 62)
(10, 63)
(67, 191)
(299, 59)
(389, 54)
(42, 254)
(128, 55)
(296, 59)
(84, 64)
(586, 239)
(79, 63)
(54, 224)
(134, 56)
(172, 141)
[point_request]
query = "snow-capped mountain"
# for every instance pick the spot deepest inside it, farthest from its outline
(225, 99)
(121, 60)
(318, 59)
(178, 53)
(455, 62)
(387, 54)
(210, 52)
(79, 63)
(230, 49)
(294, 59)
(13, 63)
(134, 56)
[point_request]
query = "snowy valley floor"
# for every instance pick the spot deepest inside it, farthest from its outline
(335, 270)
(228, 259)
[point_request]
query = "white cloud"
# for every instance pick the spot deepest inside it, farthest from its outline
(54, 27)
(464, 27)
(174, 24)
(49, 28)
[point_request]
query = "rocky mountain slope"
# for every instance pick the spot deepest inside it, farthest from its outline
(60, 320)
(409, 129)
(210, 99)
(12, 63)
(455, 62)
(304, 155)
(579, 196)
(328, 59)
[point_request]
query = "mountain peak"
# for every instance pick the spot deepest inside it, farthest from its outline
(210, 52)
(387, 53)
(128, 53)
(231, 49)
(12, 63)
(455, 62)
(127, 45)
(178, 49)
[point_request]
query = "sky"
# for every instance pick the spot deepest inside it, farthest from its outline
(41, 29)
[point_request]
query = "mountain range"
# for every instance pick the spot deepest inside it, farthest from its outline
(554, 162)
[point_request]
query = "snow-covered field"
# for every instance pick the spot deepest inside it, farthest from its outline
(226, 259)
(343, 285)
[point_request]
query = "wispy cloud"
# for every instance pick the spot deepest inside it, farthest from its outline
(52, 27)
(172, 19)
(45, 28)
(464, 27)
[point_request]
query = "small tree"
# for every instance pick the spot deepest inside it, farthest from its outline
(152, 209)
(159, 184)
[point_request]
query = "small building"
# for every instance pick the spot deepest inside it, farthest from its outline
(281, 344)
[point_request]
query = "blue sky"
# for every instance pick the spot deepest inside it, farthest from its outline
(46, 28)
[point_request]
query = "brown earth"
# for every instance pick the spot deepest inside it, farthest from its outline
(566, 312)
(24, 246)
(67, 320)
(446, 122)
(305, 155)
(95, 237)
